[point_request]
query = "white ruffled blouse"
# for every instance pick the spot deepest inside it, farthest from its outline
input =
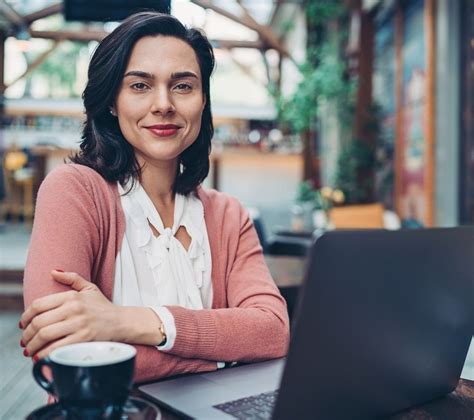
(155, 271)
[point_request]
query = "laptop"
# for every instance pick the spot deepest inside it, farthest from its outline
(384, 322)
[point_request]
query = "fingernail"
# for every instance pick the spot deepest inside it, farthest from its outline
(35, 358)
(58, 269)
(25, 353)
(20, 325)
(22, 344)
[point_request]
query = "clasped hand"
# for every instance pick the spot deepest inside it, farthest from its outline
(81, 314)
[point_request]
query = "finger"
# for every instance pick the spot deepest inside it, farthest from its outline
(44, 304)
(73, 280)
(70, 339)
(52, 333)
(42, 320)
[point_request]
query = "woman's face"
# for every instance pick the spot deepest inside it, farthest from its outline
(160, 102)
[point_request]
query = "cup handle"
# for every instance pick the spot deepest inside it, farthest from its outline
(39, 376)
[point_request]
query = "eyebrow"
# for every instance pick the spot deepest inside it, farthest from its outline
(174, 76)
(137, 73)
(183, 74)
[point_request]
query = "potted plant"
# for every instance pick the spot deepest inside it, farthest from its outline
(313, 206)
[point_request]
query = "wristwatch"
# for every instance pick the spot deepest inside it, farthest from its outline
(163, 333)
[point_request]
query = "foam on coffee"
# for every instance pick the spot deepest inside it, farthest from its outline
(97, 353)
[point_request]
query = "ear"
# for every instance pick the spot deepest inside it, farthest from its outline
(113, 111)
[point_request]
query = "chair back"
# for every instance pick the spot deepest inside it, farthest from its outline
(366, 216)
(14, 160)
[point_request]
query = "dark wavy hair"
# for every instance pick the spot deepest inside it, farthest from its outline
(103, 147)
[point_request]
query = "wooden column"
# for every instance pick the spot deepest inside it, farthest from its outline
(309, 137)
(365, 70)
(216, 172)
(398, 106)
(426, 187)
(310, 158)
(363, 116)
(2, 76)
(2, 113)
(467, 113)
(430, 112)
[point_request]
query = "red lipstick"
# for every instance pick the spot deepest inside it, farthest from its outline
(163, 130)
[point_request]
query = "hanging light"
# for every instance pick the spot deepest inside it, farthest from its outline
(23, 39)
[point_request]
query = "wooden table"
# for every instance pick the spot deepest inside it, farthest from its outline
(286, 271)
(459, 405)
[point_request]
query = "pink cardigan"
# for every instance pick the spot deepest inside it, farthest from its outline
(79, 226)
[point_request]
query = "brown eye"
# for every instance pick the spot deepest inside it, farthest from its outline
(183, 87)
(139, 86)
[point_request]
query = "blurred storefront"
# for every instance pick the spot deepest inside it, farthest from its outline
(45, 69)
(404, 65)
(428, 124)
(411, 60)
(467, 112)
(420, 56)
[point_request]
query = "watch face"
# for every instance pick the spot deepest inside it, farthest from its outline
(162, 331)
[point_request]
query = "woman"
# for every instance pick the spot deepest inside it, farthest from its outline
(126, 245)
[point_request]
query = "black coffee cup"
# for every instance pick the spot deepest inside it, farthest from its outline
(89, 375)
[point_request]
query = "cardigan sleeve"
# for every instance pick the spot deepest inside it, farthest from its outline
(255, 324)
(152, 364)
(66, 235)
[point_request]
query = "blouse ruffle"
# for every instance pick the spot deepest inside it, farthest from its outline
(177, 274)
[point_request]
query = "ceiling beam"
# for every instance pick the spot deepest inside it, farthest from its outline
(89, 35)
(11, 15)
(3, 38)
(268, 39)
(247, 70)
(81, 36)
(264, 31)
(267, 67)
(248, 21)
(275, 11)
(40, 14)
(229, 44)
(37, 62)
(208, 4)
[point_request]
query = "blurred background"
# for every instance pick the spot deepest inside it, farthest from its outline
(327, 114)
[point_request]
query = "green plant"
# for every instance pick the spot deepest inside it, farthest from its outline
(353, 158)
(323, 72)
(321, 199)
(305, 192)
(325, 80)
(321, 83)
(60, 68)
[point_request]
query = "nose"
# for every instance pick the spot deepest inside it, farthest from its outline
(162, 102)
